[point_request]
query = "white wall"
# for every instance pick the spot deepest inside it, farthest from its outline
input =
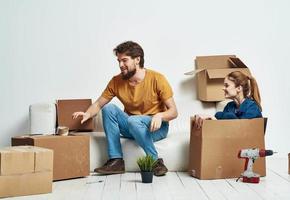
(63, 49)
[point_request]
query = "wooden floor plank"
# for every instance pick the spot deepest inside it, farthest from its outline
(173, 186)
(191, 185)
(144, 190)
(128, 190)
(94, 187)
(227, 190)
(112, 187)
(160, 188)
(245, 192)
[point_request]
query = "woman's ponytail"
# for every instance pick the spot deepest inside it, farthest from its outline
(255, 94)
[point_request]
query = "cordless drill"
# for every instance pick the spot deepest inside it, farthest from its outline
(251, 155)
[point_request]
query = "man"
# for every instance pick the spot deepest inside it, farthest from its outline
(148, 107)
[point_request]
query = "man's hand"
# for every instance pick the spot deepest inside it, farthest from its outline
(85, 116)
(156, 122)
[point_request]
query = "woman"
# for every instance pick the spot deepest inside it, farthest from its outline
(244, 92)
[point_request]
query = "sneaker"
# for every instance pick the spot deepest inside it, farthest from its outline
(159, 168)
(112, 166)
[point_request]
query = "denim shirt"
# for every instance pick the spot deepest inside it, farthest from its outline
(247, 110)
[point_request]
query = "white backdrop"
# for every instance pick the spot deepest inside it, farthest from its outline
(63, 49)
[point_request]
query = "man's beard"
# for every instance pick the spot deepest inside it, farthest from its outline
(128, 75)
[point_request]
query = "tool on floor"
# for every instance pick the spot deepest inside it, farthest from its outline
(251, 155)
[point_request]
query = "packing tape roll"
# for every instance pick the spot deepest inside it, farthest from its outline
(62, 130)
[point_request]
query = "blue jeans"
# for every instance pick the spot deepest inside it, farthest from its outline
(116, 123)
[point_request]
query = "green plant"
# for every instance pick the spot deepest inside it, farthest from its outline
(146, 163)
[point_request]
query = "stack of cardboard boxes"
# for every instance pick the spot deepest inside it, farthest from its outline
(30, 169)
(25, 170)
(214, 148)
(71, 153)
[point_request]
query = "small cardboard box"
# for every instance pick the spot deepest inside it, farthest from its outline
(35, 177)
(210, 73)
(71, 153)
(214, 148)
(65, 109)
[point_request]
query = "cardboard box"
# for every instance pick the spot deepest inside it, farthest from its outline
(13, 161)
(43, 157)
(34, 178)
(71, 153)
(26, 184)
(210, 73)
(214, 148)
(65, 109)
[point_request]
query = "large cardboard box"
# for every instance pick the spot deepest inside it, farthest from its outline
(214, 148)
(65, 109)
(71, 153)
(25, 170)
(210, 73)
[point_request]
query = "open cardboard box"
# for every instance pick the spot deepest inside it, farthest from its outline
(214, 148)
(210, 73)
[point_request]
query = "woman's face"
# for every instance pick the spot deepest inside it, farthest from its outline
(231, 91)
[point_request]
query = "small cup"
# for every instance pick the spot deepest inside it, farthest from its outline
(62, 131)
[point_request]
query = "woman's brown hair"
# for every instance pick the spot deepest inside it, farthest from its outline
(249, 85)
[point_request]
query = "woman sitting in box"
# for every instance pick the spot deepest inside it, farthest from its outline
(244, 92)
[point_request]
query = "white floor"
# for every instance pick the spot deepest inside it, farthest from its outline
(175, 185)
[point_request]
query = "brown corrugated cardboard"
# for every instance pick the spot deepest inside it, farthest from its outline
(16, 161)
(25, 170)
(65, 109)
(210, 73)
(26, 184)
(214, 148)
(43, 157)
(71, 153)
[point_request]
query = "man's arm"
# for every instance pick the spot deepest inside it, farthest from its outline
(169, 114)
(92, 110)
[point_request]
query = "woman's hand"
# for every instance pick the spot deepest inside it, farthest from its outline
(198, 120)
(85, 116)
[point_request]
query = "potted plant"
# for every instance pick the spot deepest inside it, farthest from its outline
(146, 164)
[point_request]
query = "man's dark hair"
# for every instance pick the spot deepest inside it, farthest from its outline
(131, 49)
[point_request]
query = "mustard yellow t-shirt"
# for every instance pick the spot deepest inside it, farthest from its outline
(146, 98)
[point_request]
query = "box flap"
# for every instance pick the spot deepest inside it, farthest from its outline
(213, 62)
(217, 73)
(193, 72)
(222, 73)
(43, 157)
(65, 109)
(237, 63)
